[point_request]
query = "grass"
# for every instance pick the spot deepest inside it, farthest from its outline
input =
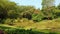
(45, 26)
(39, 25)
(12, 30)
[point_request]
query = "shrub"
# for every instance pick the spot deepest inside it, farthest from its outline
(9, 21)
(37, 17)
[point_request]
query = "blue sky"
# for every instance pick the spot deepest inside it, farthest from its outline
(36, 3)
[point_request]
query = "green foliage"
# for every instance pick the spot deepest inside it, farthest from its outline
(37, 17)
(58, 6)
(10, 13)
(47, 3)
(12, 10)
(9, 30)
(8, 21)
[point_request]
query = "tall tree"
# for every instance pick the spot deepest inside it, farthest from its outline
(5, 7)
(58, 6)
(47, 3)
(47, 7)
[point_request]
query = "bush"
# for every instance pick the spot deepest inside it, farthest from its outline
(9, 21)
(37, 17)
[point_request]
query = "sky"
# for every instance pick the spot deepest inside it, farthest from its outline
(35, 3)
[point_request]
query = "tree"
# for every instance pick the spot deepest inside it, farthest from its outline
(58, 6)
(3, 11)
(47, 3)
(48, 7)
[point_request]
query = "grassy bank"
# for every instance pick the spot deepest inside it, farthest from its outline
(29, 27)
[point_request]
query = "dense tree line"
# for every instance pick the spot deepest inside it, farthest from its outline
(13, 11)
